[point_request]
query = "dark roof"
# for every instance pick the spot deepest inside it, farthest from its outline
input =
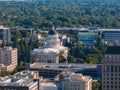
(52, 32)
(113, 50)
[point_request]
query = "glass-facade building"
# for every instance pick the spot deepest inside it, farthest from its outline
(87, 38)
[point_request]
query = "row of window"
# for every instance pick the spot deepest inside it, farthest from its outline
(111, 86)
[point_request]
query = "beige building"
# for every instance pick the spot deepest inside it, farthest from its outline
(73, 81)
(8, 58)
(111, 72)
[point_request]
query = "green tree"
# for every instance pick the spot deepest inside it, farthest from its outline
(96, 85)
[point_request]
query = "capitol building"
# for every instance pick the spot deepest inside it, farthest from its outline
(51, 50)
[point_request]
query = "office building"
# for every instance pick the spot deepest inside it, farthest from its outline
(5, 35)
(73, 81)
(87, 38)
(111, 72)
(8, 58)
(111, 37)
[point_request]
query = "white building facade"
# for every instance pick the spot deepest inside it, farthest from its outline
(51, 50)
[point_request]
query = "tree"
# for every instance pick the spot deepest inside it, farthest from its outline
(61, 57)
(78, 51)
(50, 61)
(5, 73)
(92, 60)
(96, 85)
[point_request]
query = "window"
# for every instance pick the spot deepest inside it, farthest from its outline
(112, 74)
(111, 82)
(115, 86)
(115, 68)
(107, 86)
(112, 68)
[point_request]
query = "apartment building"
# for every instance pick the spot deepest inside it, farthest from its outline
(8, 58)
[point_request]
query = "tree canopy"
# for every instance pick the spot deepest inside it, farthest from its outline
(72, 13)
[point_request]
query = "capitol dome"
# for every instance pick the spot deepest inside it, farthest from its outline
(52, 32)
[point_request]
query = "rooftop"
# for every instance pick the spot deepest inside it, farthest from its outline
(7, 48)
(87, 29)
(52, 32)
(18, 82)
(46, 50)
(74, 77)
(113, 50)
(61, 66)
(70, 28)
(28, 29)
(48, 86)
(22, 78)
(3, 28)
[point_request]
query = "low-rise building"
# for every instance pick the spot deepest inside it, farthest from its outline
(48, 86)
(87, 38)
(73, 81)
(51, 70)
(111, 37)
(25, 80)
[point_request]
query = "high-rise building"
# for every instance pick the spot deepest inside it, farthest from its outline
(8, 58)
(5, 35)
(73, 81)
(111, 72)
